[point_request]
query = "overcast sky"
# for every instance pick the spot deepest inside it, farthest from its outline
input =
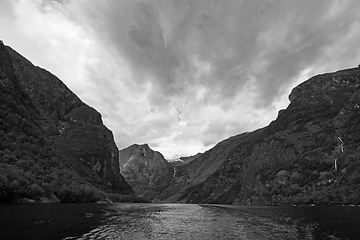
(183, 75)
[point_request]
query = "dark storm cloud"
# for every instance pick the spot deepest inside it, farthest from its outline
(134, 29)
(269, 41)
(308, 31)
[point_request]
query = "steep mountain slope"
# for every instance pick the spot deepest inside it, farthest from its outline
(308, 155)
(52, 144)
(197, 171)
(147, 171)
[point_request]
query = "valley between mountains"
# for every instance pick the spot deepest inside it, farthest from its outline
(55, 148)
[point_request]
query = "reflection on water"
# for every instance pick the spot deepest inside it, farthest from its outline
(176, 221)
(168, 222)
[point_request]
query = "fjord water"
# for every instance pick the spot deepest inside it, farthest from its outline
(176, 221)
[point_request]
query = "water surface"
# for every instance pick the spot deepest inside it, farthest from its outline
(176, 221)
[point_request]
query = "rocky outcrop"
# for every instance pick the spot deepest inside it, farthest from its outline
(147, 171)
(308, 155)
(39, 109)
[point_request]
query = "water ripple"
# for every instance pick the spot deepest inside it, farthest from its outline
(175, 221)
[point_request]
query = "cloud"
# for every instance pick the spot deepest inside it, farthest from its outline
(238, 39)
(7, 10)
(44, 33)
(183, 75)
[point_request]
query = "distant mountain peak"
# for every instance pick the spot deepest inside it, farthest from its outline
(145, 170)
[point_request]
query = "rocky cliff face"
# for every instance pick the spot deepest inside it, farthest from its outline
(147, 171)
(308, 155)
(40, 112)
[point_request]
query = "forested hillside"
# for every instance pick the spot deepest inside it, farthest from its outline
(53, 147)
